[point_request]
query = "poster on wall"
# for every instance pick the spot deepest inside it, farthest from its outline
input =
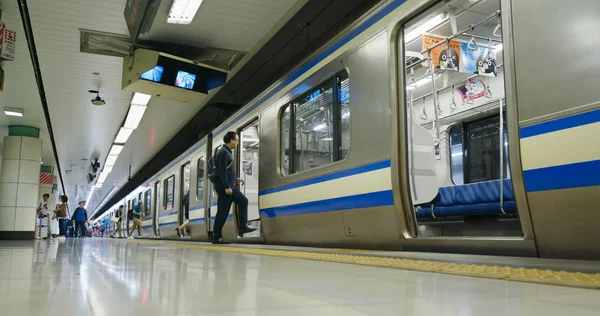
(474, 89)
(443, 57)
(478, 60)
(460, 56)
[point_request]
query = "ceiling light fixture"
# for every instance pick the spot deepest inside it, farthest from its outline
(141, 99)
(10, 111)
(107, 169)
(183, 11)
(123, 135)
(134, 116)
(98, 185)
(115, 150)
(425, 27)
(110, 161)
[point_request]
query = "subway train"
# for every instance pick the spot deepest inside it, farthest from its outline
(457, 126)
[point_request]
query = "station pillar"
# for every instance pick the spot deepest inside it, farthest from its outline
(20, 183)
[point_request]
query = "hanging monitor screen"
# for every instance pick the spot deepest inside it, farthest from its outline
(185, 80)
(154, 74)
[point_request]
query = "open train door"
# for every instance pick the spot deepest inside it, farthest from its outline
(247, 163)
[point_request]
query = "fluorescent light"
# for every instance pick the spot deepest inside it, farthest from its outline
(102, 177)
(320, 127)
(115, 150)
(183, 11)
(141, 99)
(425, 27)
(330, 138)
(123, 135)
(110, 161)
(134, 116)
(98, 185)
(107, 169)
(498, 48)
(10, 111)
(90, 195)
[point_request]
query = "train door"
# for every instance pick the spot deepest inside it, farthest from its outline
(126, 216)
(148, 215)
(247, 163)
(184, 195)
(454, 168)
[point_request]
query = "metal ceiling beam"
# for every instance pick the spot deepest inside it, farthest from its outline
(40, 83)
(314, 25)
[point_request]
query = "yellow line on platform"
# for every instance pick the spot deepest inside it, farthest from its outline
(564, 278)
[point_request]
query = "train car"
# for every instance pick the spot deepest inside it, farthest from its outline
(444, 126)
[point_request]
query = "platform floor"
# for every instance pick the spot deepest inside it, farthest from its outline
(113, 277)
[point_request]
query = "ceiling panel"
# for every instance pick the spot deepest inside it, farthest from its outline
(83, 130)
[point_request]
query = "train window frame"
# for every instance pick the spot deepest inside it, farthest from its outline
(332, 82)
(165, 188)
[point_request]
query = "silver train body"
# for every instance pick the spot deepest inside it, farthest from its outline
(365, 196)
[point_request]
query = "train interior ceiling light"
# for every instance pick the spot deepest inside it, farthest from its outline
(162, 75)
(183, 11)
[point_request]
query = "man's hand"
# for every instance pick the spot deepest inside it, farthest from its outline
(228, 191)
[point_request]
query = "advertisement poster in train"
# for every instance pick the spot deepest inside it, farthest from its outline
(477, 59)
(462, 56)
(473, 89)
(443, 57)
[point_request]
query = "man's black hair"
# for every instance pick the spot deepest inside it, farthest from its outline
(229, 136)
(46, 195)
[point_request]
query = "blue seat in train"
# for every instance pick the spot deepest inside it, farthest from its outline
(473, 199)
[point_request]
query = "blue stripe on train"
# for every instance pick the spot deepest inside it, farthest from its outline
(561, 123)
(375, 199)
(583, 174)
(337, 175)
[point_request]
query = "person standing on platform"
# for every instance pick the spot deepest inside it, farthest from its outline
(227, 188)
(119, 215)
(135, 217)
(43, 212)
(61, 214)
(80, 217)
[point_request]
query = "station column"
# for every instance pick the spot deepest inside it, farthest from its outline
(20, 182)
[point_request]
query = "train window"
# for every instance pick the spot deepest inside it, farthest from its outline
(147, 202)
(158, 198)
(317, 125)
(169, 192)
(200, 179)
(478, 157)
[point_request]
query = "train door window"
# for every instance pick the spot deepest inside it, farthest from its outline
(315, 128)
(200, 179)
(147, 203)
(249, 158)
(453, 76)
(169, 192)
(184, 190)
(457, 155)
(285, 140)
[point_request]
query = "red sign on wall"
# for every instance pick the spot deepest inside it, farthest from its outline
(8, 39)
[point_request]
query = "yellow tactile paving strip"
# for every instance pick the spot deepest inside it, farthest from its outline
(564, 278)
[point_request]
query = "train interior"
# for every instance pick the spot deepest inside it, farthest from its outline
(457, 134)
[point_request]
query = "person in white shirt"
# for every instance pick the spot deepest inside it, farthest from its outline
(44, 214)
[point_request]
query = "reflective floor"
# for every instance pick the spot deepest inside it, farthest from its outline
(105, 277)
